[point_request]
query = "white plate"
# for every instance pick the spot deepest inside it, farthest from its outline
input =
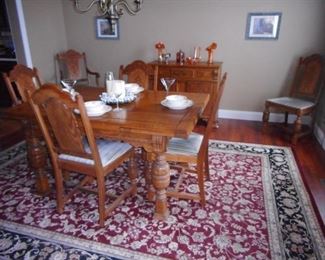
(98, 112)
(187, 104)
(133, 88)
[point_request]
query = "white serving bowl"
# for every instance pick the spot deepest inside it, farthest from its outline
(94, 106)
(176, 100)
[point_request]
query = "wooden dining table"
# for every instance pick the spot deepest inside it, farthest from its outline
(143, 123)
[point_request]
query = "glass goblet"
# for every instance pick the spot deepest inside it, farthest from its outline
(68, 84)
(167, 83)
(117, 91)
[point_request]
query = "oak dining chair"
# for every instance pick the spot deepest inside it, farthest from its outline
(73, 65)
(193, 150)
(72, 146)
(136, 72)
(19, 80)
(303, 98)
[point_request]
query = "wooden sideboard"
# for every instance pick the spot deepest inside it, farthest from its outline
(199, 77)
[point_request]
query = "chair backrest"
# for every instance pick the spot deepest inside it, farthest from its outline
(307, 79)
(136, 72)
(211, 121)
(73, 65)
(61, 126)
(19, 80)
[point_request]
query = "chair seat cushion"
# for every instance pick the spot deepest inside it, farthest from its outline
(189, 146)
(108, 152)
(292, 102)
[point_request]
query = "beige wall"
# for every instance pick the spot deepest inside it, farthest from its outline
(46, 33)
(257, 69)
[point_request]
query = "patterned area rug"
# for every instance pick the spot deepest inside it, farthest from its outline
(257, 208)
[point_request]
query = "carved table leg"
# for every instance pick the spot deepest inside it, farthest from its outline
(160, 181)
(36, 155)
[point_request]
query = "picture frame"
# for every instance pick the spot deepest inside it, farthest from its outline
(263, 26)
(105, 29)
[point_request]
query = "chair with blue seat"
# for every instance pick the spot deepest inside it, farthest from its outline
(73, 147)
(303, 97)
(193, 150)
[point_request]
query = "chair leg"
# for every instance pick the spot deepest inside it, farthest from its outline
(201, 182)
(132, 173)
(286, 118)
(297, 129)
(266, 114)
(60, 198)
(206, 164)
(101, 200)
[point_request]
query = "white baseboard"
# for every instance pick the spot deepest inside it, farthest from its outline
(274, 117)
(257, 116)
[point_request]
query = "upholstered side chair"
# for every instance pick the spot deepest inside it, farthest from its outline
(303, 98)
(73, 147)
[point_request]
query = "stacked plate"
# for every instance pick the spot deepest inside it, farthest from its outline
(96, 108)
(113, 100)
(177, 102)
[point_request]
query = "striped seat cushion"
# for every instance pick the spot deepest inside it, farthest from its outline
(108, 152)
(189, 146)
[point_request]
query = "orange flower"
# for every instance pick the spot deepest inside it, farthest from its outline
(160, 45)
(212, 46)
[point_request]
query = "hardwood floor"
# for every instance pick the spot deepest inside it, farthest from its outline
(309, 154)
(11, 132)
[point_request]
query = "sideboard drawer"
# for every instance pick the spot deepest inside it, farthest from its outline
(182, 73)
(164, 72)
(208, 74)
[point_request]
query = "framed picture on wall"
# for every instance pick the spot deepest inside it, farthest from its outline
(263, 26)
(105, 29)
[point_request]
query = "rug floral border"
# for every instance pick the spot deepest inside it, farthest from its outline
(283, 221)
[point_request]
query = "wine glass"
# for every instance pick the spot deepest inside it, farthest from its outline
(167, 82)
(68, 84)
(117, 90)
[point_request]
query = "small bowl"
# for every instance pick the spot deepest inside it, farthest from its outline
(93, 106)
(176, 100)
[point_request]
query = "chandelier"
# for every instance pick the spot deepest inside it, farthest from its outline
(111, 9)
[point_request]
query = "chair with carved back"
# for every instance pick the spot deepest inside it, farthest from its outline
(136, 72)
(193, 150)
(73, 65)
(19, 80)
(73, 147)
(303, 97)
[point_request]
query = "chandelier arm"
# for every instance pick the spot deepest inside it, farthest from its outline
(80, 10)
(125, 4)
